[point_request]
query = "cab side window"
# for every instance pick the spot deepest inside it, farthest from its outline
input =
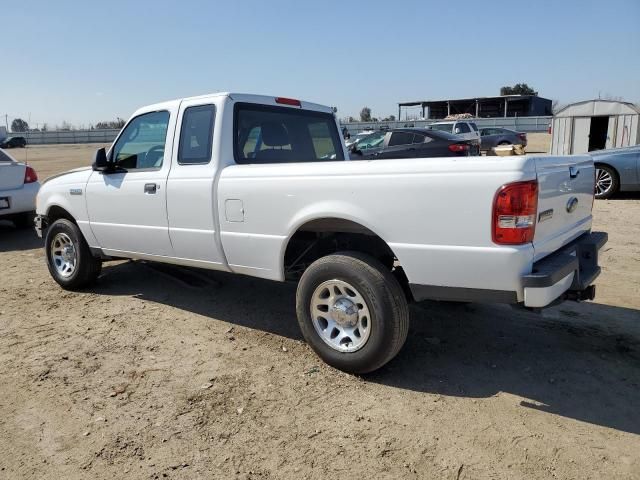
(141, 144)
(270, 134)
(196, 135)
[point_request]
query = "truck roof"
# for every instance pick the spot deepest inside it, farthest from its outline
(238, 97)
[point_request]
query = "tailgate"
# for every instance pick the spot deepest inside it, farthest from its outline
(11, 173)
(565, 199)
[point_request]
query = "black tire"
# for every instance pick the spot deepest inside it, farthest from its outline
(24, 220)
(87, 267)
(504, 142)
(385, 300)
(614, 186)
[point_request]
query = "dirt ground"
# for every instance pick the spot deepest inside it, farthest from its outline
(174, 373)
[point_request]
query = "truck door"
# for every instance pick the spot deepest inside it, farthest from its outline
(191, 189)
(127, 207)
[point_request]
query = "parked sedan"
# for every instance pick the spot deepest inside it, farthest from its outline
(18, 189)
(492, 137)
(13, 142)
(411, 143)
(617, 169)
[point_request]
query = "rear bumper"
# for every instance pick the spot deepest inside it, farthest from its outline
(566, 273)
(20, 200)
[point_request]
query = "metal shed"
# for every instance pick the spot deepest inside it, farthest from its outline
(594, 125)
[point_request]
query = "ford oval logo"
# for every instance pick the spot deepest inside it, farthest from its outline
(572, 204)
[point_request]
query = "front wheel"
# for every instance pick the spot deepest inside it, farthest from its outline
(69, 258)
(352, 311)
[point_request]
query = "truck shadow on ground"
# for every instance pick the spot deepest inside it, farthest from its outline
(580, 361)
(17, 239)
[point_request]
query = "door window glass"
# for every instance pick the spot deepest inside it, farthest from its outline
(196, 135)
(141, 144)
(418, 138)
(400, 138)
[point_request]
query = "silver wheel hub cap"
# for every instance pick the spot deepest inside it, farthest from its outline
(340, 316)
(63, 255)
(603, 181)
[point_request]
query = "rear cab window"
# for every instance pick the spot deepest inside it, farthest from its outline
(443, 127)
(462, 128)
(270, 134)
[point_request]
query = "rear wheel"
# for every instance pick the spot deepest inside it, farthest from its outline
(504, 142)
(352, 311)
(69, 258)
(606, 182)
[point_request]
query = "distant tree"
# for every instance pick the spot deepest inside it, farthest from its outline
(390, 118)
(365, 114)
(350, 119)
(65, 127)
(44, 127)
(112, 124)
(518, 89)
(19, 125)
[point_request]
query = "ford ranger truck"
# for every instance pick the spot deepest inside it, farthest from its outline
(262, 186)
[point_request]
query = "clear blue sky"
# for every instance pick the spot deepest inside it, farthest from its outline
(86, 61)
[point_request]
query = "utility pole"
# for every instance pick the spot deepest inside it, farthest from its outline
(6, 121)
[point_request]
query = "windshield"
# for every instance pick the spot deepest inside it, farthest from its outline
(443, 127)
(371, 141)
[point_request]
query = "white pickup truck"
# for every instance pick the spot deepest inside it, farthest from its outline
(261, 186)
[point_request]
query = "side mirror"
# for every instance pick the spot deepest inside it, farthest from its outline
(100, 162)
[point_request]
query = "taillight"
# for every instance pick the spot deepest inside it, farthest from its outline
(30, 175)
(523, 136)
(459, 147)
(549, 129)
(514, 213)
(288, 101)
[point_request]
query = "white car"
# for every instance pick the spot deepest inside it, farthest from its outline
(18, 189)
(262, 186)
(465, 129)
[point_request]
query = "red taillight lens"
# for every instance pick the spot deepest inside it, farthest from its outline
(523, 136)
(288, 101)
(459, 147)
(30, 175)
(514, 213)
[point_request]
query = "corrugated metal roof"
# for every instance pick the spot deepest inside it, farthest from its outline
(591, 108)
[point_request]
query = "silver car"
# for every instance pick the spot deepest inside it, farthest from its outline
(493, 136)
(617, 170)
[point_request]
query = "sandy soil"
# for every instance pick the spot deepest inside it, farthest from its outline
(174, 373)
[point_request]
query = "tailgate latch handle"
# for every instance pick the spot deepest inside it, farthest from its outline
(573, 172)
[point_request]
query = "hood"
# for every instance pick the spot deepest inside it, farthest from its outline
(71, 176)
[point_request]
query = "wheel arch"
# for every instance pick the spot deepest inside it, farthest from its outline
(316, 237)
(598, 163)
(56, 212)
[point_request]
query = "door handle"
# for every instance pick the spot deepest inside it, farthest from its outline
(573, 172)
(150, 188)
